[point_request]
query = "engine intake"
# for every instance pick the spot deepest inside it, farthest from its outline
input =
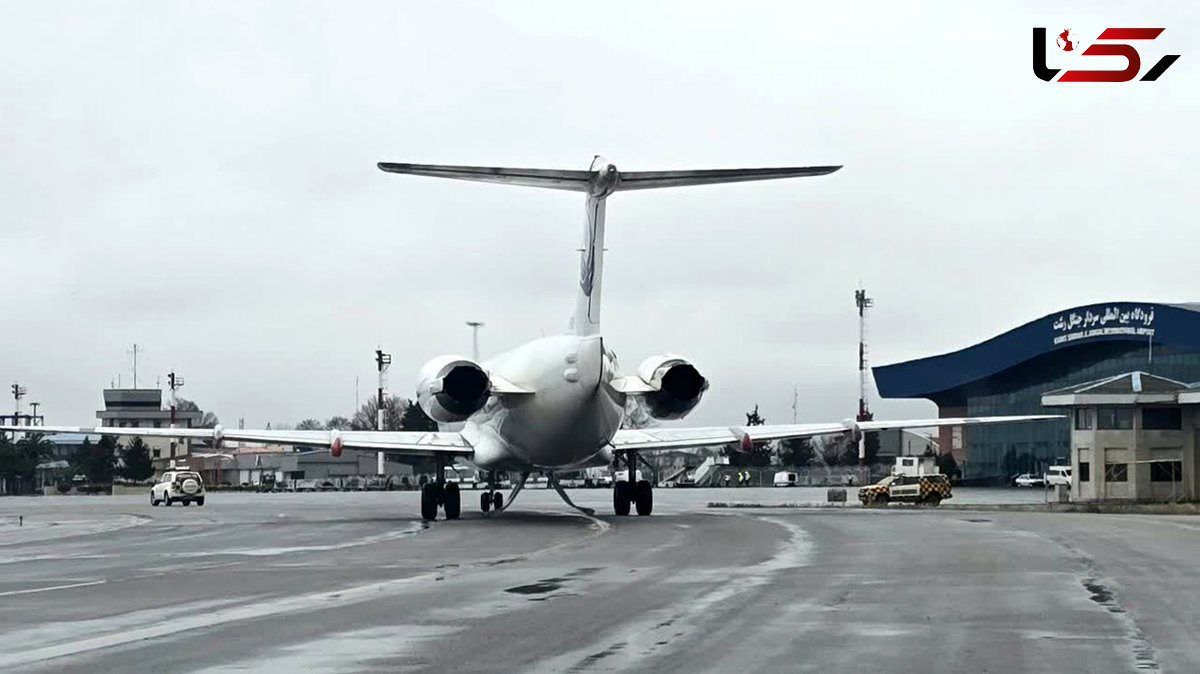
(678, 386)
(451, 388)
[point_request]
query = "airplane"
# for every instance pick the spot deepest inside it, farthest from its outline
(557, 403)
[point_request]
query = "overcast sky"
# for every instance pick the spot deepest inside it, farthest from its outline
(199, 178)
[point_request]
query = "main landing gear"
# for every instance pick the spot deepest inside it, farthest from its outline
(440, 494)
(444, 495)
(639, 494)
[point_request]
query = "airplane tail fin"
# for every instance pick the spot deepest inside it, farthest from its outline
(598, 182)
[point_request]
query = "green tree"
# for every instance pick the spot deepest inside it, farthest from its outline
(338, 423)
(98, 462)
(796, 452)
(393, 414)
(8, 461)
(949, 466)
(207, 420)
(136, 458)
(19, 460)
(310, 425)
(415, 419)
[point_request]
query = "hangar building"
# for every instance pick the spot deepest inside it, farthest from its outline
(1008, 374)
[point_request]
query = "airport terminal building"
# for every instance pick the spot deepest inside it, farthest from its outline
(1008, 374)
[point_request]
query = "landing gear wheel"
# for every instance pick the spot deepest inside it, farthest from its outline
(622, 495)
(497, 501)
(451, 501)
(430, 494)
(485, 501)
(643, 496)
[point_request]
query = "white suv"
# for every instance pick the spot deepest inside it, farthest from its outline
(178, 485)
(1056, 475)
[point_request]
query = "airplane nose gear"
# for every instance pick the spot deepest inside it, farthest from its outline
(493, 499)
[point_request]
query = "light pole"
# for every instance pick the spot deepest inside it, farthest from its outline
(382, 361)
(475, 325)
(18, 392)
(174, 381)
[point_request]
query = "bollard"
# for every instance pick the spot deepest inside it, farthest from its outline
(835, 495)
(20, 520)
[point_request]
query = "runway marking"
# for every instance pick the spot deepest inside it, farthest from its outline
(274, 552)
(264, 608)
(638, 639)
(259, 609)
(13, 593)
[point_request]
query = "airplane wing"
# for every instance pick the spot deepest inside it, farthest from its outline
(655, 439)
(408, 443)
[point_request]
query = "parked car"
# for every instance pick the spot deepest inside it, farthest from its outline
(178, 486)
(785, 479)
(1029, 480)
(1056, 475)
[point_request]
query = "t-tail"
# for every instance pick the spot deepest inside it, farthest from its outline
(600, 180)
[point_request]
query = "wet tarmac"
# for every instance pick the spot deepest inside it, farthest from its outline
(355, 582)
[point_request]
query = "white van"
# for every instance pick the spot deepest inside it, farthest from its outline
(1056, 475)
(785, 479)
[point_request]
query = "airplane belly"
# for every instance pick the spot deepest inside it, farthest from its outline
(549, 440)
(570, 416)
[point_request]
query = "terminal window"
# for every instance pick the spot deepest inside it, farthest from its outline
(1166, 471)
(1083, 419)
(1116, 472)
(1085, 471)
(1114, 418)
(1162, 418)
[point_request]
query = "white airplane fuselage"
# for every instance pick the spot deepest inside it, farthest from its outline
(569, 419)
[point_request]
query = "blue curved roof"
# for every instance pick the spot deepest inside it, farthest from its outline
(1177, 324)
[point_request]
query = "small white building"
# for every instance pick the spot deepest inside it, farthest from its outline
(1133, 438)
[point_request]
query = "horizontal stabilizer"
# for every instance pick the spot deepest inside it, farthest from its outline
(606, 175)
(575, 181)
(644, 180)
